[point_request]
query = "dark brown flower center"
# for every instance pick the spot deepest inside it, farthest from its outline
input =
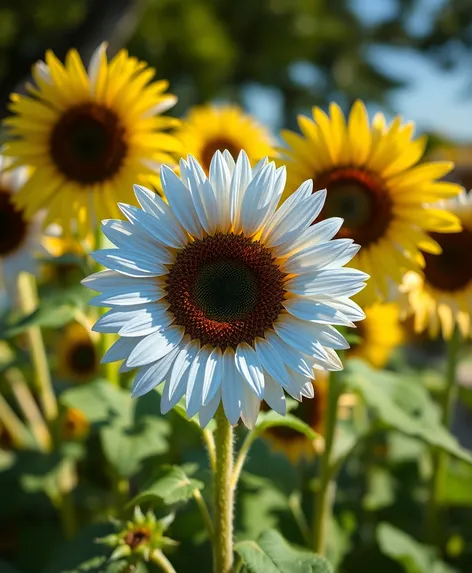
(310, 410)
(83, 358)
(217, 144)
(452, 269)
(361, 199)
(137, 537)
(88, 143)
(225, 289)
(13, 226)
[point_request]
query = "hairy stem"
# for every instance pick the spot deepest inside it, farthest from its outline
(223, 495)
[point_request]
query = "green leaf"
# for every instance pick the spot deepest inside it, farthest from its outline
(172, 486)
(271, 419)
(54, 311)
(100, 401)
(457, 490)
(402, 403)
(126, 447)
(272, 554)
(414, 557)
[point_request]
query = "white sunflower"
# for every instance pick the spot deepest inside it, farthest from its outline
(221, 294)
(20, 238)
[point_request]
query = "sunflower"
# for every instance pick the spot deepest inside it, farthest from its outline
(223, 295)
(88, 135)
(20, 239)
(441, 297)
(74, 425)
(210, 128)
(76, 354)
(292, 443)
(380, 333)
(375, 185)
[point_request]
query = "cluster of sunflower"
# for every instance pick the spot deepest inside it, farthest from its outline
(221, 284)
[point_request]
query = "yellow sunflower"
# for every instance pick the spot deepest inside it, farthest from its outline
(375, 184)
(210, 128)
(441, 297)
(295, 445)
(380, 333)
(89, 135)
(76, 354)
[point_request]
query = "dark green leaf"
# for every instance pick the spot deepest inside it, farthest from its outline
(172, 486)
(414, 557)
(272, 554)
(126, 447)
(402, 403)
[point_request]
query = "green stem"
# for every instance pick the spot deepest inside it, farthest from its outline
(210, 445)
(294, 503)
(159, 559)
(28, 298)
(223, 495)
(440, 458)
(13, 425)
(324, 497)
(242, 455)
(202, 506)
(67, 481)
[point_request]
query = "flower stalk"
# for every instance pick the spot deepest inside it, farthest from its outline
(440, 458)
(324, 497)
(28, 299)
(223, 495)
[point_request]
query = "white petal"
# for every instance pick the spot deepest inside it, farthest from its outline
(344, 305)
(123, 234)
(213, 375)
(303, 192)
(164, 105)
(274, 396)
(315, 234)
(231, 387)
(308, 309)
(305, 386)
(271, 361)
(183, 361)
(148, 320)
(204, 199)
(333, 282)
(229, 161)
(291, 357)
(131, 295)
(347, 256)
(242, 175)
(257, 200)
(112, 280)
(196, 378)
(220, 179)
(162, 228)
(129, 263)
(317, 257)
(113, 320)
(181, 202)
(95, 64)
(249, 407)
(299, 335)
(119, 350)
(259, 166)
(207, 411)
(168, 401)
(249, 366)
(148, 377)
(296, 220)
(155, 346)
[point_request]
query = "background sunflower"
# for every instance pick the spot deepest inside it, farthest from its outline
(209, 128)
(376, 186)
(88, 135)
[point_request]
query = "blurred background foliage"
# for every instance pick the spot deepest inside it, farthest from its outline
(310, 51)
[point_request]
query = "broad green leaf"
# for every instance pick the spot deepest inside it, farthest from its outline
(272, 554)
(100, 401)
(126, 447)
(271, 419)
(414, 557)
(402, 403)
(457, 490)
(172, 486)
